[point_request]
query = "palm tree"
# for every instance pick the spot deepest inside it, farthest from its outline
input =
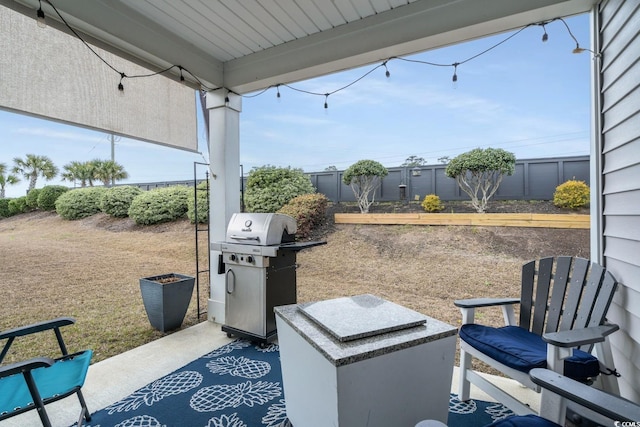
(6, 178)
(78, 171)
(108, 171)
(34, 166)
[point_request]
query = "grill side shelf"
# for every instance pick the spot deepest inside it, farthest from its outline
(298, 246)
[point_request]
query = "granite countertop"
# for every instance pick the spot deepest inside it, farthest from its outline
(361, 316)
(341, 353)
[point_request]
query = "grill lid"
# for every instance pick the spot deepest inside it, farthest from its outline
(263, 229)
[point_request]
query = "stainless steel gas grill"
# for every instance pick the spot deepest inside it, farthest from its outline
(259, 257)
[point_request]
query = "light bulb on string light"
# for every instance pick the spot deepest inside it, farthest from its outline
(181, 75)
(120, 85)
(326, 103)
(454, 78)
(386, 73)
(545, 36)
(40, 17)
(278, 92)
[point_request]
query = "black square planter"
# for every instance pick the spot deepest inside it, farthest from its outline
(166, 303)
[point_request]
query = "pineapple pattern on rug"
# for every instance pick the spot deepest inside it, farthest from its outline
(237, 385)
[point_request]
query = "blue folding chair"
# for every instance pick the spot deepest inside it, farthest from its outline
(34, 383)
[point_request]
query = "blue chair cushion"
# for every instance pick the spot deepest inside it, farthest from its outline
(523, 421)
(60, 378)
(522, 350)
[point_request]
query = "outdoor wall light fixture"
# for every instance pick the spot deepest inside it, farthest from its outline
(416, 171)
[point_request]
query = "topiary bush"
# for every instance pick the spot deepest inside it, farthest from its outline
(18, 206)
(571, 194)
(309, 210)
(479, 173)
(4, 208)
(203, 204)
(364, 177)
(32, 198)
(160, 205)
(269, 188)
(432, 203)
(117, 200)
(80, 203)
(48, 195)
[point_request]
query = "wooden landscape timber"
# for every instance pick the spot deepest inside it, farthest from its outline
(477, 219)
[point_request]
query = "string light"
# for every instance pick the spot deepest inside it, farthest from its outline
(545, 36)
(203, 87)
(386, 73)
(40, 18)
(120, 85)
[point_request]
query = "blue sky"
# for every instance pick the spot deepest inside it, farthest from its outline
(525, 96)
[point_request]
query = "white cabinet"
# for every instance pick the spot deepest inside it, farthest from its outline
(395, 378)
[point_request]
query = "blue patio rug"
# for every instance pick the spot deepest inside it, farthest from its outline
(237, 385)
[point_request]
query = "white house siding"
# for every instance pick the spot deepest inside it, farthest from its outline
(618, 27)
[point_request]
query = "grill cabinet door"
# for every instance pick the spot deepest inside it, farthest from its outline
(245, 299)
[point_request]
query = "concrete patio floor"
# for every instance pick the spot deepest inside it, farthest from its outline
(115, 378)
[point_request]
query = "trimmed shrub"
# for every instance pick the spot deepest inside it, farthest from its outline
(32, 198)
(432, 203)
(203, 204)
(48, 195)
(572, 194)
(117, 200)
(18, 206)
(364, 177)
(4, 208)
(80, 203)
(269, 188)
(309, 210)
(160, 205)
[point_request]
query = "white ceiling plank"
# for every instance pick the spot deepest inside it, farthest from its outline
(256, 17)
(291, 17)
(380, 6)
(347, 10)
(316, 15)
(231, 25)
(330, 11)
(193, 27)
(363, 7)
(299, 15)
(398, 3)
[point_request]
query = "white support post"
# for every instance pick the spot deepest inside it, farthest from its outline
(224, 154)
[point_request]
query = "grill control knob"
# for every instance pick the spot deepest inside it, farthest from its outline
(233, 257)
(250, 259)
